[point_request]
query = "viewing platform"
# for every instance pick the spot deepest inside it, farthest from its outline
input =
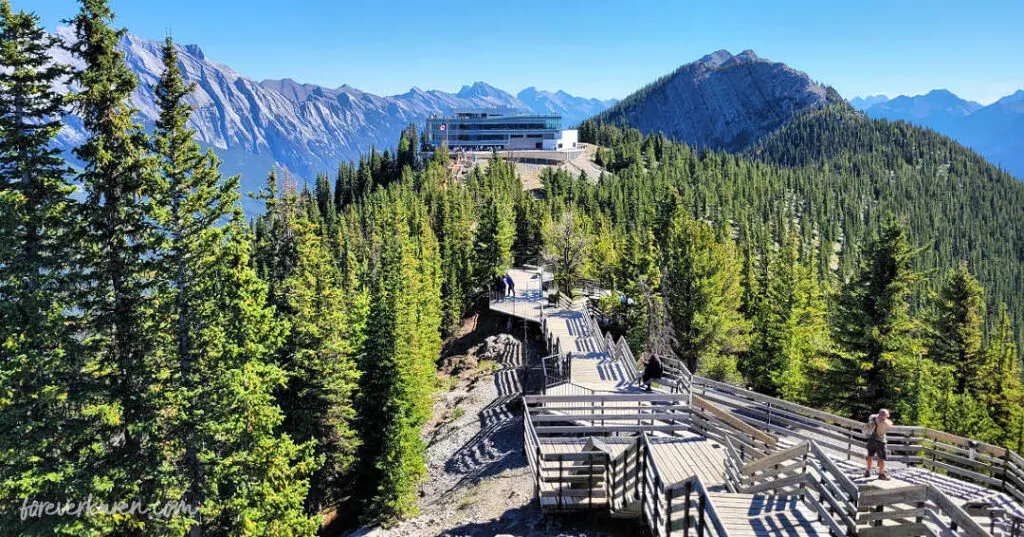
(704, 456)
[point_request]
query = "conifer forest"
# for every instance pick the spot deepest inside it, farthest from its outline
(158, 343)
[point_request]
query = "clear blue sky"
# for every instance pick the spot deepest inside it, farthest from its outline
(594, 48)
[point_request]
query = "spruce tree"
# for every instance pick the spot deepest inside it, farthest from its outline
(880, 346)
(496, 232)
(223, 334)
(957, 329)
(318, 402)
(396, 365)
(117, 259)
(701, 286)
(39, 354)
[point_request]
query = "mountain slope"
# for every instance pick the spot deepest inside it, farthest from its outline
(572, 109)
(996, 131)
(720, 101)
(304, 128)
(954, 201)
(938, 109)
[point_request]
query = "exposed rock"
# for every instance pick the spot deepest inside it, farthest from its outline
(305, 128)
(720, 102)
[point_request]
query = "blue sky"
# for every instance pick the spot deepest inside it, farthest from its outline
(594, 48)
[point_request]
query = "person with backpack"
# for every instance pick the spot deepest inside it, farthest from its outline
(511, 284)
(654, 369)
(875, 429)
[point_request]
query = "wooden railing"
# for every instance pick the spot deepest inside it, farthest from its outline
(557, 370)
(988, 465)
(806, 471)
(566, 480)
(904, 511)
(803, 471)
(672, 507)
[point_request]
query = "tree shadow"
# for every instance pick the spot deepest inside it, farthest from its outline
(529, 521)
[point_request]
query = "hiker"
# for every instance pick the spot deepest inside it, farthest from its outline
(511, 285)
(652, 370)
(875, 428)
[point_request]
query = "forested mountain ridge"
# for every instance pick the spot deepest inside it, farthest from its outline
(304, 128)
(955, 202)
(996, 130)
(719, 102)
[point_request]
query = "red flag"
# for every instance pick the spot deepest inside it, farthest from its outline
(443, 127)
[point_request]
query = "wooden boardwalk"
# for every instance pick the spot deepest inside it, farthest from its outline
(588, 425)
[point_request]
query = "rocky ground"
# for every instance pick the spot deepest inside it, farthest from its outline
(479, 483)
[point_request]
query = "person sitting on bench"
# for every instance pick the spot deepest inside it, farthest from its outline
(652, 370)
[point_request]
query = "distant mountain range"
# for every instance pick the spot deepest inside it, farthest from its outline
(995, 131)
(304, 128)
(721, 101)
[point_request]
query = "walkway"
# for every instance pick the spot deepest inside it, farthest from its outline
(593, 366)
(584, 441)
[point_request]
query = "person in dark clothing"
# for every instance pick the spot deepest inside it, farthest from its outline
(501, 286)
(511, 285)
(654, 369)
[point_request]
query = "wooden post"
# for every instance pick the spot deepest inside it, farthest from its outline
(701, 505)
(668, 512)
(881, 508)
(686, 509)
(590, 480)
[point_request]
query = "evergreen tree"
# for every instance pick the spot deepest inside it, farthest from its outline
(568, 243)
(495, 235)
(402, 343)
(117, 257)
(957, 329)
(880, 344)
(38, 350)
(318, 402)
(257, 480)
(223, 334)
(702, 291)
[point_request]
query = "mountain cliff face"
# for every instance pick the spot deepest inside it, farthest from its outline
(720, 101)
(996, 131)
(303, 128)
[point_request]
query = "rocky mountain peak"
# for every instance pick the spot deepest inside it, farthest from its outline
(194, 51)
(720, 101)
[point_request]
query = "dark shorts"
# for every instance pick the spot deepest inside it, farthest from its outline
(876, 449)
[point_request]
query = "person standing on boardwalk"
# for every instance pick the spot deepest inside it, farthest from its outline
(510, 284)
(875, 428)
(654, 369)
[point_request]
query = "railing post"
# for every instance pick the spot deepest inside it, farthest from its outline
(686, 509)
(668, 512)
(701, 505)
(560, 484)
(642, 476)
(590, 480)
(657, 504)
(881, 508)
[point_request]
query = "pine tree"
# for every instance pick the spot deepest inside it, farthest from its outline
(567, 244)
(402, 343)
(257, 479)
(880, 347)
(125, 397)
(702, 292)
(957, 329)
(495, 236)
(318, 402)
(223, 333)
(1000, 387)
(37, 349)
